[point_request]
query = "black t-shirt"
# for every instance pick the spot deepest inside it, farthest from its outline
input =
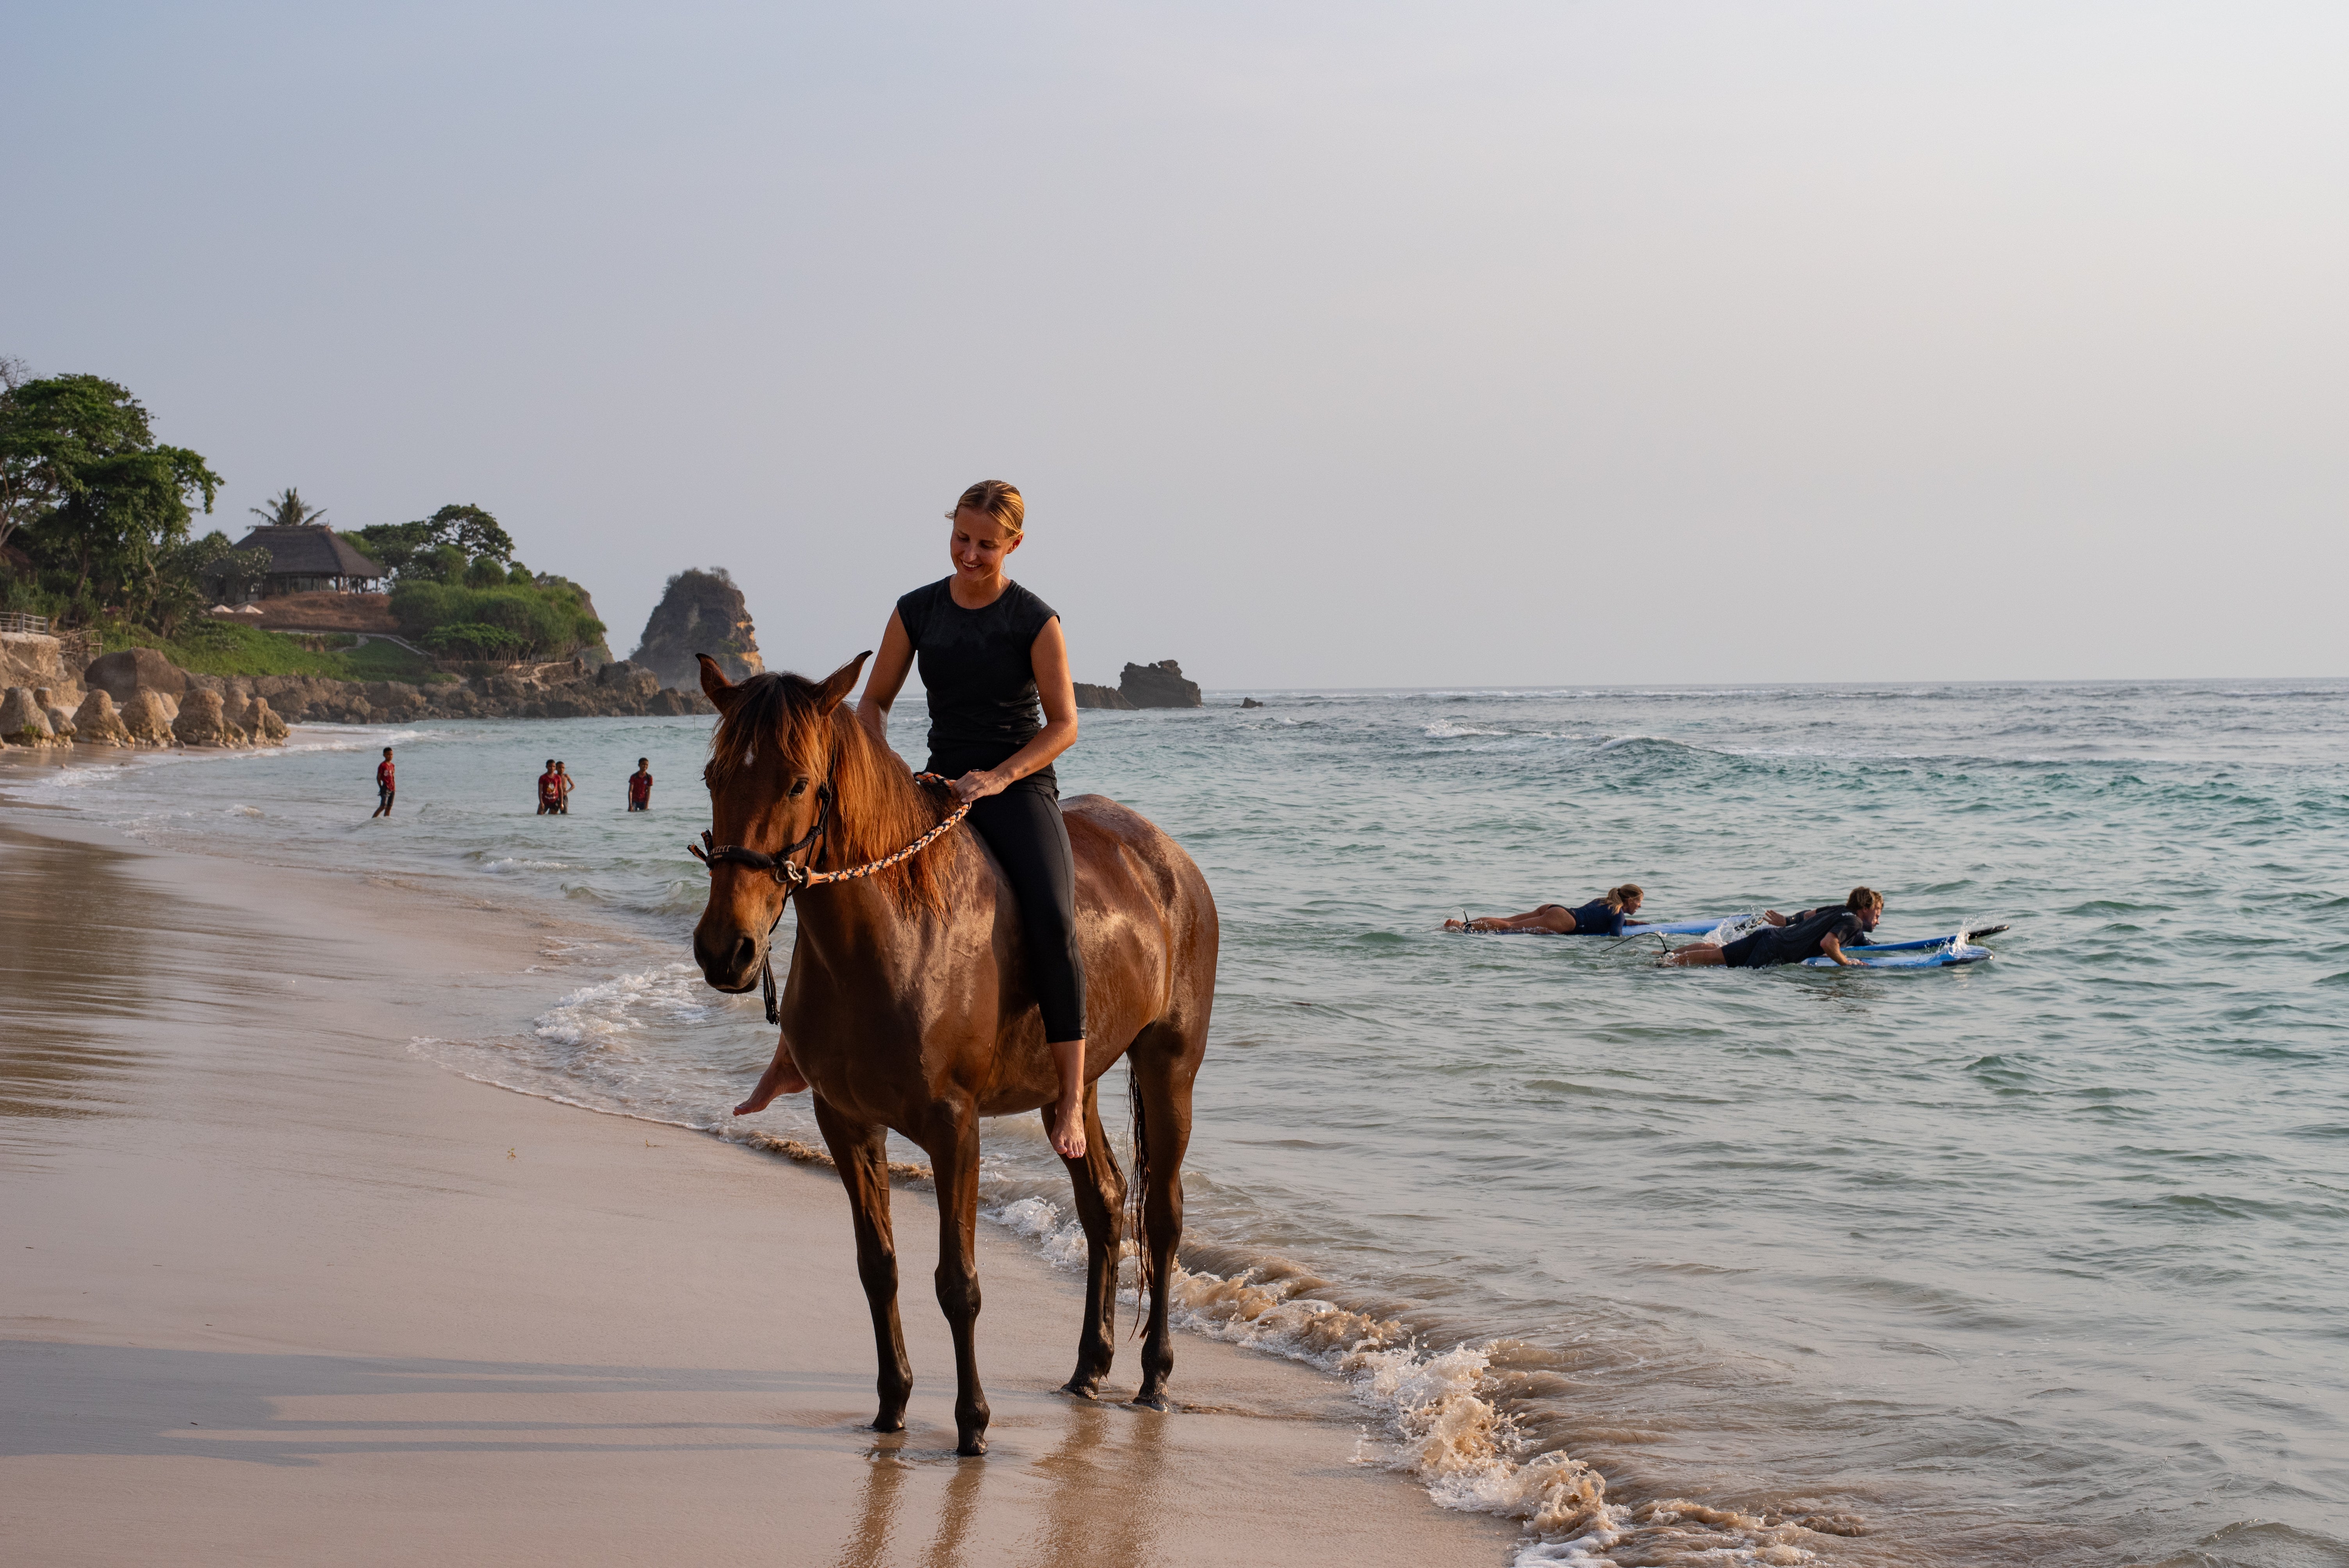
(1800, 939)
(978, 669)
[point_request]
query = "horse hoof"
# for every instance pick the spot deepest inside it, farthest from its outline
(885, 1422)
(1081, 1387)
(1153, 1402)
(971, 1447)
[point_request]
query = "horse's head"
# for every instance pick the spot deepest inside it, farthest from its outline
(770, 791)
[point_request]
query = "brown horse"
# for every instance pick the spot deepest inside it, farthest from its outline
(908, 1004)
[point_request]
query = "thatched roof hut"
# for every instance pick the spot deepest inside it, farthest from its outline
(306, 558)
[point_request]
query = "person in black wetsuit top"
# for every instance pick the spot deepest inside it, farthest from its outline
(990, 653)
(1790, 939)
(1602, 916)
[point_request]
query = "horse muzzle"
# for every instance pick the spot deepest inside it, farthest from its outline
(730, 961)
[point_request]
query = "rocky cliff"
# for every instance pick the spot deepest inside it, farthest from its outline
(701, 613)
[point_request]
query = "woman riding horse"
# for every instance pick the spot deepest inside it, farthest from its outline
(988, 649)
(917, 1000)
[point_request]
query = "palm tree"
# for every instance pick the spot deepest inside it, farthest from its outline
(287, 510)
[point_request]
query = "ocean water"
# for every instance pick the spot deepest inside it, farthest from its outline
(2039, 1260)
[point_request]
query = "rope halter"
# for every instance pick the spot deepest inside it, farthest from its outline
(794, 876)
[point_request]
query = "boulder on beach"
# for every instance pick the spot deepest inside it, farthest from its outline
(701, 613)
(61, 722)
(1091, 695)
(96, 722)
(262, 723)
(203, 721)
(1159, 685)
(22, 722)
(125, 670)
(146, 719)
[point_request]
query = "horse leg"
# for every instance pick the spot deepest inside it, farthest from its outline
(860, 1154)
(1162, 1066)
(1100, 1206)
(954, 1161)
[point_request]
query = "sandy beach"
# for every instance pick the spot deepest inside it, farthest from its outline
(281, 1291)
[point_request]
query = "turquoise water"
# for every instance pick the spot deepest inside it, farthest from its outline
(2037, 1259)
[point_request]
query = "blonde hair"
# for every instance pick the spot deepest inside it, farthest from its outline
(1864, 898)
(1617, 897)
(997, 499)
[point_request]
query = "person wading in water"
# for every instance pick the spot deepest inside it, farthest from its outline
(387, 784)
(990, 652)
(550, 790)
(640, 786)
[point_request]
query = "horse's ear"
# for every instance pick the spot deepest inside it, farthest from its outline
(837, 684)
(714, 684)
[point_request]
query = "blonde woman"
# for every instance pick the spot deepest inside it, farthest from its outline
(1602, 916)
(992, 657)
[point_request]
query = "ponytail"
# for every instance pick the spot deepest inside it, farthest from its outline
(1617, 897)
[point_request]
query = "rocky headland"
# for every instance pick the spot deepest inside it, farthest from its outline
(137, 697)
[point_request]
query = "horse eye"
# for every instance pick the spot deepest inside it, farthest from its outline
(799, 788)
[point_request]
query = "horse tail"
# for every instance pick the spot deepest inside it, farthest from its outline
(1137, 1208)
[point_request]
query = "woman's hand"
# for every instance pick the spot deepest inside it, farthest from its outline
(978, 784)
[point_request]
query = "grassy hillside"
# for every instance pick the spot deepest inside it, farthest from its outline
(226, 648)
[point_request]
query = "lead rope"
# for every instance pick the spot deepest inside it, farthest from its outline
(794, 876)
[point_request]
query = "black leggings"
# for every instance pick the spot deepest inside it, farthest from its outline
(1023, 827)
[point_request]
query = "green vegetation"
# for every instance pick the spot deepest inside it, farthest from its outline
(545, 619)
(98, 506)
(456, 545)
(226, 648)
(95, 522)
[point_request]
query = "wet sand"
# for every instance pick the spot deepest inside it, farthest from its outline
(279, 1291)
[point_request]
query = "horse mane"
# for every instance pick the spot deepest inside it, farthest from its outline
(876, 807)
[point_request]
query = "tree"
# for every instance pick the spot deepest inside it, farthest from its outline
(173, 588)
(407, 549)
(287, 509)
(110, 498)
(24, 493)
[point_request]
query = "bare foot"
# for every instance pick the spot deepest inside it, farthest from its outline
(1069, 1129)
(782, 1077)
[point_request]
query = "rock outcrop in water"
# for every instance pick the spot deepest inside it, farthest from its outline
(1091, 695)
(701, 613)
(1143, 686)
(1159, 685)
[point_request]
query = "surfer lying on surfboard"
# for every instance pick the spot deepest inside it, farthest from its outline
(1602, 916)
(1824, 932)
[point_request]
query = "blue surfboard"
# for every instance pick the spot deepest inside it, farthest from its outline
(1934, 952)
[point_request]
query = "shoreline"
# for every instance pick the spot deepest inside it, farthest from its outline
(285, 1289)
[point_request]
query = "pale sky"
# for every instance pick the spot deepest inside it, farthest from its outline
(1362, 344)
